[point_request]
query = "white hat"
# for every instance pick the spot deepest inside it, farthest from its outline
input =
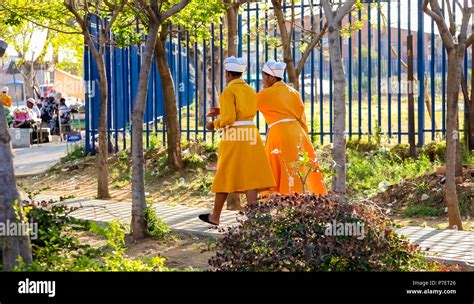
(233, 64)
(274, 68)
(31, 100)
(5, 89)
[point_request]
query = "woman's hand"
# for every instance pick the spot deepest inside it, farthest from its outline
(210, 126)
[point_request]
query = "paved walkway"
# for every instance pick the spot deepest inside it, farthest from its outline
(37, 159)
(178, 218)
(447, 245)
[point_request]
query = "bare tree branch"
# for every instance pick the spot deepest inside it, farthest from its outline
(437, 16)
(317, 37)
(85, 31)
(469, 40)
(342, 11)
(117, 10)
(328, 10)
(174, 10)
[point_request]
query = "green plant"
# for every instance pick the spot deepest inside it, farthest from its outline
(205, 182)
(293, 233)
(401, 150)
(422, 188)
(466, 203)
(194, 161)
(156, 227)
(121, 170)
(74, 153)
(421, 210)
(209, 147)
(362, 145)
(435, 151)
(304, 166)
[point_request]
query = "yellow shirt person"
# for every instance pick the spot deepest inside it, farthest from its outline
(242, 166)
(284, 112)
(6, 99)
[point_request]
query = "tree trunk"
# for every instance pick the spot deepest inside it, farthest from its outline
(12, 247)
(339, 150)
(293, 79)
(102, 155)
(454, 81)
(173, 132)
(139, 225)
(232, 28)
(470, 109)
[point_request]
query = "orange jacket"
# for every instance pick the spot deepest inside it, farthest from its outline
(6, 100)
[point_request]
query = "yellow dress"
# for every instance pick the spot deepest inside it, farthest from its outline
(242, 163)
(283, 139)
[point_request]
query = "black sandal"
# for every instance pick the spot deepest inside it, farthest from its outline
(205, 218)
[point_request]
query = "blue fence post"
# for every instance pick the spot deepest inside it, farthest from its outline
(321, 84)
(433, 80)
(399, 72)
(421, 73)
(349, 78)
(359, 78)
(389, 71)
(379, 70)
(239, 31)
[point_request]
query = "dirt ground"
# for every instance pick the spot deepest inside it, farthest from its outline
(79, 180)
(182, 251)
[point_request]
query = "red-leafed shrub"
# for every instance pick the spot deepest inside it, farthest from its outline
(311, 233)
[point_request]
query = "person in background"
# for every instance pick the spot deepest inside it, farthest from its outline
(7, 103)
(48, 109)
(33, 110)
(287, 136)
(6, 99)
(34, 116)
(62, 116)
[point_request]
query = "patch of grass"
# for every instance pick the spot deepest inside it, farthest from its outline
(366, 171)
(421, 210)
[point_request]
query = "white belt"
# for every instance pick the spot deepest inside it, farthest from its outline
(282, 120)
(243, 123)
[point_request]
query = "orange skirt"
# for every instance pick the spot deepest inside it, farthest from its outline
(283, 140)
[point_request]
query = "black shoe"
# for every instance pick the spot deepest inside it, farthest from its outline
(205, 218)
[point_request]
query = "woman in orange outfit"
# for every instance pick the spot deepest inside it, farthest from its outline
(242, 166)
(287, 136)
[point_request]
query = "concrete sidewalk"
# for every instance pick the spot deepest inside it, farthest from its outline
(37, 159)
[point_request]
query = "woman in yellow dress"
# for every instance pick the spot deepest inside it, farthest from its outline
(242, 166)
(287, 136)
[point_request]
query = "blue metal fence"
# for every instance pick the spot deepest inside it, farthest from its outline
(374, 59)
